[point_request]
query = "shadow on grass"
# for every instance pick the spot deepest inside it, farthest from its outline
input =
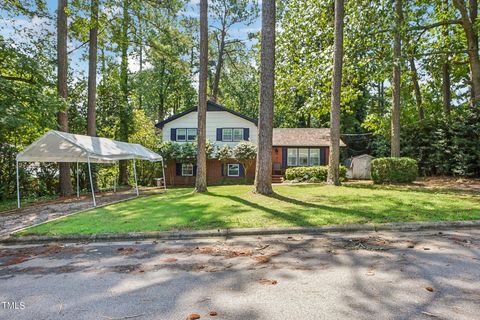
(412, 188)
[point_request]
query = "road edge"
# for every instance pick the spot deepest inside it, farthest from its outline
(225, 233)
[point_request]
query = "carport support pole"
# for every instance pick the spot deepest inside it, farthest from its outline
(18, 186)
(135, 174)
(91, 181)
(164, 177)
(78, 183)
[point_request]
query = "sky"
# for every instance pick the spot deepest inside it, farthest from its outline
(77, 64)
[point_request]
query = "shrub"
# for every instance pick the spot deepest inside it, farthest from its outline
(314, 173)
(394, 170)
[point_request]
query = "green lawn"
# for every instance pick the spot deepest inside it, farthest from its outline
(294, 205)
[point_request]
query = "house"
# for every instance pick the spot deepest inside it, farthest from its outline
(291, 146)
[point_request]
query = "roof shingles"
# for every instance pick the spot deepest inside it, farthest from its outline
(302, 137)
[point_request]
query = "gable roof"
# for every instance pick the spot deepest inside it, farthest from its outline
(302, 137)
(211, 106)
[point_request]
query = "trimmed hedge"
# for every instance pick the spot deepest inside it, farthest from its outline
(315, 173)
(385, 170)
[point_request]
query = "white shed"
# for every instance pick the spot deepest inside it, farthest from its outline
(360, 167)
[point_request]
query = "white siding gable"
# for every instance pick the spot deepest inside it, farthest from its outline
(215, 119)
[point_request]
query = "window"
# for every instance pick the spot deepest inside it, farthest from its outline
(237, 134)
(233, 170)
(181, 134)
(227, 134)
(191, 134)
(292, 157)
(187, 169)
(314, 157)
(303, 157)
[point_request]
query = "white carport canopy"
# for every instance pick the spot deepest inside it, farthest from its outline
(57, 146)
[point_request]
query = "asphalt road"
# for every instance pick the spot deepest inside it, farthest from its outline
(422, 275)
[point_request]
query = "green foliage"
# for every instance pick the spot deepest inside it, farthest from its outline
(183, 152)
(224, 153)
(388, 170)
(312, 174)
(245, 152)
(445, 146)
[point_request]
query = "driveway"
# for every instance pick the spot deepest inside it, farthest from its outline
(422, 275)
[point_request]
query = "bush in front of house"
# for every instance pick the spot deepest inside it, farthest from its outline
(312, 174)
(386, 170)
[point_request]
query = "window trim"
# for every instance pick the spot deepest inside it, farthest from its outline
(232, 130)
(310, 157)
(186, 134)
(177, 133)
(183, 167)
(233, 165)
(233, 134)
(196, 134)
(297, 157)
(223, 134)
(303, 157)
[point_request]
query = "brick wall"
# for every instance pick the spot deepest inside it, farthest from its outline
(214, 174)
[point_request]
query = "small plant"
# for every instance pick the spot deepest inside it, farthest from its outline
(397, 170)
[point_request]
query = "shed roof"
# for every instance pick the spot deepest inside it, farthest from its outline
(302, 137)
(57, 146)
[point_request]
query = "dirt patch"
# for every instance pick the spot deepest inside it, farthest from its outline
(213, 251)
(465, 184)
(127, 251)
(10, 257)
(370, 243)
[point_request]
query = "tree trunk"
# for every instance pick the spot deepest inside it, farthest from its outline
(263, 170)
(468, 24)
(334, 157)
(92, 80)
(446, 87)
(140, 32)
(416, 87)
(201, 179)
(124, 113)
(446, 93)
(397, 56)
(62, 117)
(92, 71)
(218, 68)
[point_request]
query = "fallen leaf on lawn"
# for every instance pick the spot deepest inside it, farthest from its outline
(193, 316)
(429, 289)
(213, 313)
(262, 259)
(268, 281)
